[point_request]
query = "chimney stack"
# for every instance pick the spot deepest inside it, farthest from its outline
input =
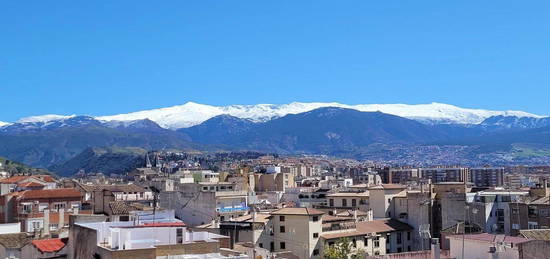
(436, 253)
(370, 215)
(61, 220)
(46, 225)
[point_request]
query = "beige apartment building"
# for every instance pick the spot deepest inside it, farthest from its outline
(274, 182)
(296, 230)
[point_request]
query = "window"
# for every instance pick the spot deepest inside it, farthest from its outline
(124, 218)
(330, 243)
(315, 252)
(36, 225)
(281, 218)
(179, 235)
(515, 211)
(315, 218)
(27, 208)
(353, 202)
(344, 202)
(532, 211)
(354, 242)
(408, 248)
(282, 245)
(58, 206)
(399, 241)
(271, 246)
(261, 245)
(409, 235)
(532, 225)
(377, 242)
(282, 229)
(53, 226)
(331, 202)
(399, 250)
(315, 235)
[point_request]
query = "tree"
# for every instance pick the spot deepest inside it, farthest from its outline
(343, 249)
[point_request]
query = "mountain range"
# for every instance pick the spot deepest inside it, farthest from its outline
(191, 114)
(66, 143)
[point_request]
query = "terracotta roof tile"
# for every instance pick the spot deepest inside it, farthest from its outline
(297, 211)
(366, 227)
(50, 245)
(29, 184)
(14, 179)
(48, 193)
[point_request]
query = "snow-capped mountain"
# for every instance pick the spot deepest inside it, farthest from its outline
(2, 124)
(191, 114)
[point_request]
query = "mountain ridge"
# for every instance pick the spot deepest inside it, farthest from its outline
(191, 114)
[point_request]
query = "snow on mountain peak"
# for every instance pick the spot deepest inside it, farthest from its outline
(2, 124)
(44, 118)
(190, 113)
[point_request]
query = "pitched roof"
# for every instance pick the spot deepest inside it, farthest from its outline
(45, 178)
(48, 193)
(118, 188)
(19, 178)
(14, 179)
(29, 184)
(50, 245)
(537, 234)
(297, 211)
(16, 240)
(260, 218)
(124, 207)
(373, 226)
(486, 237)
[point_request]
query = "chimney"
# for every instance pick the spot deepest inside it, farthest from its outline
(61, 219)
(436, 253)
(46, 225)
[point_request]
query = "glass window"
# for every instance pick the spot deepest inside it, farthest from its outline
(179, 235)
(353, 202)
(282, 229)
(281, 218)
(283, 245)
(399, 238)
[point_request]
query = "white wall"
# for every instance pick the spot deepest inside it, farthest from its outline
(10, 228)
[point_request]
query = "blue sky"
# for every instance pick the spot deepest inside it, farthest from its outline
(109, 57)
